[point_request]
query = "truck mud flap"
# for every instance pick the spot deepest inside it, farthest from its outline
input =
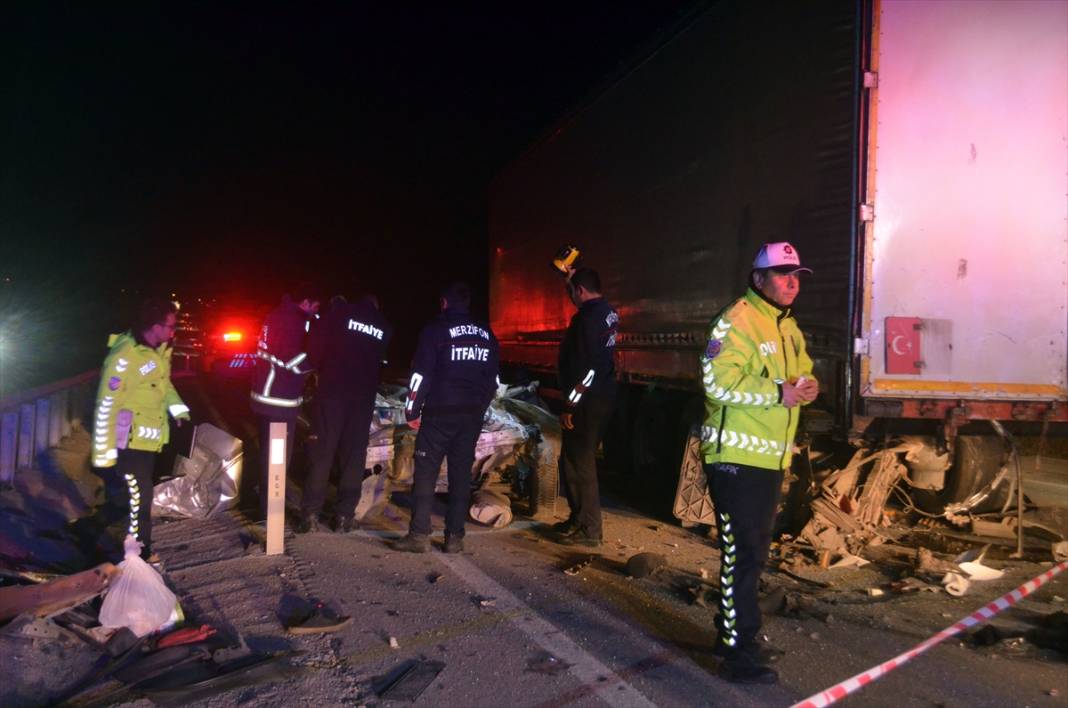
(693, 503)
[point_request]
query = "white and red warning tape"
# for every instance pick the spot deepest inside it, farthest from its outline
(850, 685)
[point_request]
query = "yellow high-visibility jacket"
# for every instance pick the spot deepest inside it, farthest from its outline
(133, 400)
(753, 347)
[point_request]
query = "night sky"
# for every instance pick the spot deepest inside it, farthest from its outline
(229, 149)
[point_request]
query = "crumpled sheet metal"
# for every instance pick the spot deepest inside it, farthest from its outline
(207, 481)
(502, 432)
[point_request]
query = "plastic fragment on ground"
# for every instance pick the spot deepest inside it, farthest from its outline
(491, 508)
(956, 584)
(848, 560)
(978, 571)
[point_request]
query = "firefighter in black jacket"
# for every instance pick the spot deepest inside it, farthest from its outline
(587, 377)
(347, 349)
(454, 378)
(280, 373)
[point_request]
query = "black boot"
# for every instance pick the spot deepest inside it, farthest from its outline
(761, 653)
(454, 544)
(740, 665)
(565, 528)
(580, 538)
(309, 523)
(346, 524)
(412, 543)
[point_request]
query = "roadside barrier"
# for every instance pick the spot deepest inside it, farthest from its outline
(33, 421)
(851, 685)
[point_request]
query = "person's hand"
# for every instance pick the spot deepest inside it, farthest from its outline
(415, 424)
(791, 395)
(567, 421)
(808, 389)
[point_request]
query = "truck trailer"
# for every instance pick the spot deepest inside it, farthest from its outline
(916, 155)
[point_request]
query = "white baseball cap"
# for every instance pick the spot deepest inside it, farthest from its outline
(781, 257)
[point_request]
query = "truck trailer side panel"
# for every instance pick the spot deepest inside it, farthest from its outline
(740, 129)
(966, 281)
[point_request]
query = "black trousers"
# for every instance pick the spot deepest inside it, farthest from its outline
(342, 426)
(745, 499)
(453, 438)
(578, 462)
(265, 451)
(130, 494)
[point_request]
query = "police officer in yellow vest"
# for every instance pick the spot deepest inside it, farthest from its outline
(133, 401)
(755, 373)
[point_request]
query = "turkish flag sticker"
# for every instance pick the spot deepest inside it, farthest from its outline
(903, 345)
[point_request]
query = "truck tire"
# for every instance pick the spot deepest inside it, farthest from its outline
(976, 461)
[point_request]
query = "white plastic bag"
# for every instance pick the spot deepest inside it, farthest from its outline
(138, 599)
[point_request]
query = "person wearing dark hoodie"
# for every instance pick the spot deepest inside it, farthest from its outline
(133, 400)
(454, 379)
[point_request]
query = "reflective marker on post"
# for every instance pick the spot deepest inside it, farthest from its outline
(276, 491)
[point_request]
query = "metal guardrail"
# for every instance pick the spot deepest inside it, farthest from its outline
(33, 421)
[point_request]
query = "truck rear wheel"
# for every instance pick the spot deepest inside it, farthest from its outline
(977, 459)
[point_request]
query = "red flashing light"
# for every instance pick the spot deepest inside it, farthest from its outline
(232, 337)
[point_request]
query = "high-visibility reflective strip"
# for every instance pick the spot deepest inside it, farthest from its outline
(292, 363)
(135, 506)
(587, 381)
(413, 387)
(742, 441)
(267, 356)
(269, 383)
(745, 398)
(708, 377)
(729, 636)
(178, 409)
(721, 329)
(281, 402)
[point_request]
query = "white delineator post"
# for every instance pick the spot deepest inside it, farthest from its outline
(276, 490)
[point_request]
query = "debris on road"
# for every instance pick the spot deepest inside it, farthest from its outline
(545, 663)
(205, 483)
(56, 595)
(320, 619)
(576, 568)
(643, 565)
(491, 508)
(408, 681)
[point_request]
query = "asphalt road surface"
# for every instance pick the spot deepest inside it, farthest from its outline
(512, 628)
